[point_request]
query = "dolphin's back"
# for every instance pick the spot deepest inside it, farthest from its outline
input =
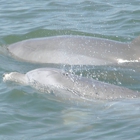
(93, 89)
(77, 87)
(71, 50)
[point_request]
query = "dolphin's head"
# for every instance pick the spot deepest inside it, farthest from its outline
(51, 77)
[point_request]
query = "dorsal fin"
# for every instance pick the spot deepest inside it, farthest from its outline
(136, 41)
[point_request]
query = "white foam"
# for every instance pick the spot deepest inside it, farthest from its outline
(126, 61)
(6, 77)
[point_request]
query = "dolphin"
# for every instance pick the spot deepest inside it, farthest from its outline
(75, 50)
(68, 85)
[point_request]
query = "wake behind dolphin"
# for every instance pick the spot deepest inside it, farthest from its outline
(75, 50)
(69, 85)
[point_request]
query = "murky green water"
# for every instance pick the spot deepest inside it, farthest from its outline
(28, 114)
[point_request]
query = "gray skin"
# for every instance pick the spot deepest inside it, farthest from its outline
(67, 85)
(75, 50)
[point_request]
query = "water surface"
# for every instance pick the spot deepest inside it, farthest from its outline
(28, 114)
